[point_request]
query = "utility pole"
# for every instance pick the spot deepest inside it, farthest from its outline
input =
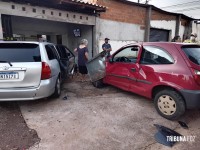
(146, 1)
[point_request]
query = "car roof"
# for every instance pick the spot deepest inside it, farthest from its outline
(28, 42)
(159, 43)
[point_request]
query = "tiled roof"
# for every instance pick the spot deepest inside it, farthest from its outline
(83, 2)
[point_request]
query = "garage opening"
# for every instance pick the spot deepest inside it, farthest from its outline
(68, 34)
(159, 35)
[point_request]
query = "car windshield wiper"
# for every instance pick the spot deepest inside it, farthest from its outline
(6, 62)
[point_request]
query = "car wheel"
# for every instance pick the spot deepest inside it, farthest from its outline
(169, 104)
(98, 83)
(57, 91)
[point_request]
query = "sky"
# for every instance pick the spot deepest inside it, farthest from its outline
(190, 8)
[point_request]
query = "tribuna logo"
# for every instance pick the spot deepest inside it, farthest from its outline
(181, 138)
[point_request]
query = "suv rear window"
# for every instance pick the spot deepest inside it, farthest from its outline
(193, 53)
(19, 52)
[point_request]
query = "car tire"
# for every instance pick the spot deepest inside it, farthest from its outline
(57, 91)
(169, 104)
(98, 84)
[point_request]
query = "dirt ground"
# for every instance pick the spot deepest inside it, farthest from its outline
(102, 119)
(91, 119)
(15, 134)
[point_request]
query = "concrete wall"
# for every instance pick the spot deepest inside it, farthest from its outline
(45, 13)
(119, 33)
(86, 33)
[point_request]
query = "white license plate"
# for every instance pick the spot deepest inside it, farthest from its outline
(9, 75)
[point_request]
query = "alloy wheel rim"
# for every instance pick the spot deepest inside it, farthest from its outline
(167, 105)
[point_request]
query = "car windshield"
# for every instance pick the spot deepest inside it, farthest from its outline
(19, 52)
(193, 53)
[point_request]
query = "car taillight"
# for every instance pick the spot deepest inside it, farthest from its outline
(46, 71)
(197, 76)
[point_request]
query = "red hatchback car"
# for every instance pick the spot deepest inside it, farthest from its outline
(168, 73)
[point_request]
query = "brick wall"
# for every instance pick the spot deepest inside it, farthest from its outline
(185, 22)
(123, 12)
(162, 16)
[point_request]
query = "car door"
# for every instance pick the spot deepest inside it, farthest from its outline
(53, 59)
(63, 61)
(71, 59)
(122, 68)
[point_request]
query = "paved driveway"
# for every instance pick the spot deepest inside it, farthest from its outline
(101, 119)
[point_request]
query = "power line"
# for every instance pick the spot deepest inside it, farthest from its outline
(181, 4)
(187, 9)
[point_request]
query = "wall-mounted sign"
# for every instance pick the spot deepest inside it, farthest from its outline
(77, 32)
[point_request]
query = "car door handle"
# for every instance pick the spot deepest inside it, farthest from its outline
(133, 69)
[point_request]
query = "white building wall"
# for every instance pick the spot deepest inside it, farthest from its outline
(119, 33)
(45, 13)
(166, 25)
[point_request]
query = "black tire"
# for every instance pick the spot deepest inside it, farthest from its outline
(98, 84)
(57, 91)
(169, 104)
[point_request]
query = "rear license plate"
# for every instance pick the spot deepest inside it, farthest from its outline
(9, 75)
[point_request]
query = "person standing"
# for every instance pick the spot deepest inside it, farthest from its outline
(107, 47)
(177, 38)
(192, 39)
(82, 58)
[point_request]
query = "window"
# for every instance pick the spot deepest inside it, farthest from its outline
(19, 52)
(155, 55)
(128, 54)
(62, 52)
(51, 52)
(193, 53)
(13, 6)
(69, 53)
(34, 10)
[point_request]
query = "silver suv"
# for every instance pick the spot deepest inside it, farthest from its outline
(28, 71)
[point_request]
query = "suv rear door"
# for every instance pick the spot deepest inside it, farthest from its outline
(53, 59)
(20, 65)
(67, 59)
